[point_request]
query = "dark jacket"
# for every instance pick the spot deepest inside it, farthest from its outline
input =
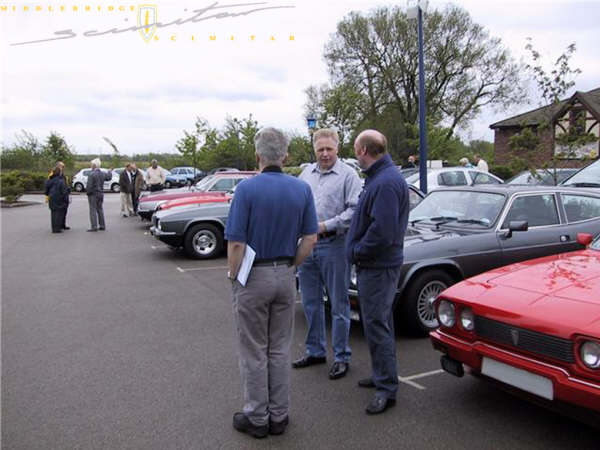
(376, 234)
(57, 192)
(138, 183)
(95, 182)
(125, 182)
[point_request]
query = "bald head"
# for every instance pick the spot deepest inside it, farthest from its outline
(373, 141)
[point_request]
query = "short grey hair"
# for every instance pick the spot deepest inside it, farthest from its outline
(271, 145)
(326, 133)
(96, 162)
(463, 161)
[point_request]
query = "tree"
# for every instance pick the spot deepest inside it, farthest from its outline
(24, 154)
(56, 149)
(188, 144)
(300, 150)
(552, 85)
(372, 61)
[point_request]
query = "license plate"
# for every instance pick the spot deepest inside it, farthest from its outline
(522, 379)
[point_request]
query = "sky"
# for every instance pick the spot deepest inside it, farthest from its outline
(142, 94)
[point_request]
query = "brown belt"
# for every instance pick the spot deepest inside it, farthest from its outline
(326, 234)
(274, 262)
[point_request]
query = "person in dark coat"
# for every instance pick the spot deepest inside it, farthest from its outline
(137, 180)
(58, 199)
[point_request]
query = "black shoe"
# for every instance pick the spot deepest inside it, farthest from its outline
(308, 360)
(66, 228)
(101, 228)
(366, 383)
(338, 370)
(93, 229)
(380, 404)
(57, 231)
(278, 427)
(243, 424)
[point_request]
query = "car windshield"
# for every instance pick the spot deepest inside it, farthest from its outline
(461, 207)
(204, 182)
(586, 177)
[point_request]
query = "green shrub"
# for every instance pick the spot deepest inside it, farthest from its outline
(33, 181)
(293, 170)
(503, 172)
(11, 186)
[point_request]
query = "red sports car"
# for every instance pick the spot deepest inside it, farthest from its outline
(533, 326)
(195, 200)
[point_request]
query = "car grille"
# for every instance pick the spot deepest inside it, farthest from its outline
(531, 341)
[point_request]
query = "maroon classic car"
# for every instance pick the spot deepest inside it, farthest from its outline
(531, 327)
(219, 182)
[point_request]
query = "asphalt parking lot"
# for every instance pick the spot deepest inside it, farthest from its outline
(111, 340)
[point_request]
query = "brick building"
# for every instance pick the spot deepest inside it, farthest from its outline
(561, 116)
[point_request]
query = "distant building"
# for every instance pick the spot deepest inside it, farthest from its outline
(562, 115)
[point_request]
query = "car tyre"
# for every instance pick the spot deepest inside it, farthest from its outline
(115, 187)
(78, 187)
(416, 313)
(203, 241)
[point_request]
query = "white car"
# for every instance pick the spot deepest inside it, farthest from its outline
(79, 182)
(453, 176)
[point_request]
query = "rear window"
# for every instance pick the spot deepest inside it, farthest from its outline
(580, 207)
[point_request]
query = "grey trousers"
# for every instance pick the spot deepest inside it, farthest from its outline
(264, 318)
(96, 210)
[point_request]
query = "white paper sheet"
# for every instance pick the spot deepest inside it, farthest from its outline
(246, 265)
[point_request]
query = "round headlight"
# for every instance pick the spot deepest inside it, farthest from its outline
(590, 354)
(446, 313)
(467, 319)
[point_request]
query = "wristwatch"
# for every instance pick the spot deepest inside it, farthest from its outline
(229, 276)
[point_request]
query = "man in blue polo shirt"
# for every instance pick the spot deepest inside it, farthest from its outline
(375, 245)
(275, 215)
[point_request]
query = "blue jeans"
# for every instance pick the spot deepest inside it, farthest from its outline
(376, 293)
(326, 267)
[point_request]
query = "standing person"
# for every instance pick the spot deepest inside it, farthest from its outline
(481, 164)
(269, 213)
(155, 176)
(137, 178)
(61, 166)
(411, 163)
(375, 245)
(58, 199)
(465, 163)
(126, 188)
(335, 187)
(95, 194)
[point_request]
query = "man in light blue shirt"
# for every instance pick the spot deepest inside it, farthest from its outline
(335, 187)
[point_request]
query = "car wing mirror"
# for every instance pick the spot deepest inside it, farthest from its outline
(517, 225)
(584, 239)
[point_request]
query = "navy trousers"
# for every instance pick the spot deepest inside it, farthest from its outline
(376, 292)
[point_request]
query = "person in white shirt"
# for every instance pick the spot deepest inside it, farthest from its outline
(155, 176)
(481, 164)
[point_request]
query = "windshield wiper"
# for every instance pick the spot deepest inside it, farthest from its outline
(583, 184)
(485, 223)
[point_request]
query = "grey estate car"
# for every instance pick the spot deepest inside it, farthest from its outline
(456, 233)
(199, 229)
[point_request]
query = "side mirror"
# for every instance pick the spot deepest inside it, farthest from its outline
(516, 225)
(584, 239)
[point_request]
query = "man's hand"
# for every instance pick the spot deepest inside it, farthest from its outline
(322, 228)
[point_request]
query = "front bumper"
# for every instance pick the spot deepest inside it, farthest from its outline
(566, 387)
(168, 237)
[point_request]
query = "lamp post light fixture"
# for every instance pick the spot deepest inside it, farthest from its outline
(416, 12)
(312, 124)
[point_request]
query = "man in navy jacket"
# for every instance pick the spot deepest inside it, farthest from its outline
(375, 245)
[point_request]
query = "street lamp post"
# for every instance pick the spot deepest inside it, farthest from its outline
(416, 12)
(312, 123)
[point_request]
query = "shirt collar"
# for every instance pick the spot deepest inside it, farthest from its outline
(382, 162)
(272, 169)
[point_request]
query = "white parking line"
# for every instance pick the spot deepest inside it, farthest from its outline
(408, 380)
(201, 268)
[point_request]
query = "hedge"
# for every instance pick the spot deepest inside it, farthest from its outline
(11, 186)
